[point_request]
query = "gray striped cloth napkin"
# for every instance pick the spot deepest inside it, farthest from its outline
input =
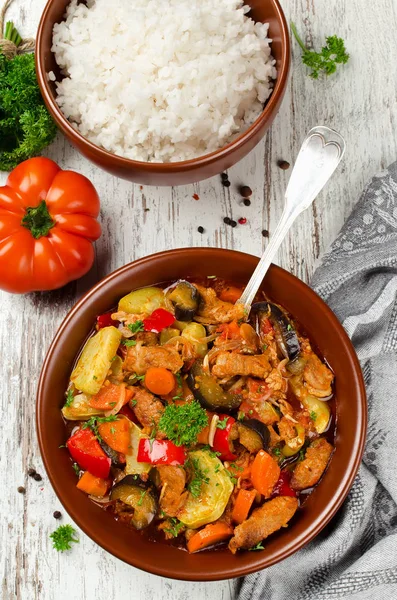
(355, 556)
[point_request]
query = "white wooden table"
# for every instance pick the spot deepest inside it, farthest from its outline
(360, 102)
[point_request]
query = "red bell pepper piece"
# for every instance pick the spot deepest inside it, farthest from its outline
(160, 452)
(282, 487)
(221, 439)
(105, 320)
(86, 451)
(158, 320)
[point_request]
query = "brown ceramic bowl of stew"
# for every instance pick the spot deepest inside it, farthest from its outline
(347, 432)
(174, 173)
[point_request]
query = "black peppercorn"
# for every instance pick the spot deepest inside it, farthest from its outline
(224, 176)
(225, 182)
(247, 202)
(265, 233)
(21, 489)
(37, 477)
(57, 514)
(31, 472)
(283, 164)
(245, 191)
(233, 223)
(227, 220)
(200, 229)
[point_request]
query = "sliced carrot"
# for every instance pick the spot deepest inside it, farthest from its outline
(93, 485)
(116, 434)
(230, 294)
(109, 395)
(159, 381)
(210, 535)
(243, 505)
(265, 473)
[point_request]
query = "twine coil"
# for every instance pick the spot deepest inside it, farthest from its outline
(8, 48)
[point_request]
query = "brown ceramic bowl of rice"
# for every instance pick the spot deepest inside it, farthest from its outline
(175, 112)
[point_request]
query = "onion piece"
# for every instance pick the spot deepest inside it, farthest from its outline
(212, 431)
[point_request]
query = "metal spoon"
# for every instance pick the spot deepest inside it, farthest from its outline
(320, 154)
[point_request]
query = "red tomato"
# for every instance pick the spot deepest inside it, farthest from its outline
(161, 452)
(47, 227)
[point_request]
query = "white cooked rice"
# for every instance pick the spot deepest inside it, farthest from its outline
(162, 80)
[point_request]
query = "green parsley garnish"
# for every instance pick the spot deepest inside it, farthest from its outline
(276, 452)
(222, 424)
(63, 537)
(327, 60)
(76, 469)
(94, 377)
(182, 424)
(141, 497)
(137, 377)
(259, 546)
(175, 527)
(302, 453)
(69, 399)
(240, 416)
(93, 423)
(129, 343)
(313, 415)
(135, 327)
(264, 347)
(198, 476)
(26, 127)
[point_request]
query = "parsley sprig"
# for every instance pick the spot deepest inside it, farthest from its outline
(175, 527)
(69, 399)
(182, 423)
(326, 61)
(93, 423)
(135, 327)
(259, 546)
(198, 476)
(63, 537)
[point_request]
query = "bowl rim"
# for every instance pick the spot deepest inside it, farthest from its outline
(170, 167)
(327, 513)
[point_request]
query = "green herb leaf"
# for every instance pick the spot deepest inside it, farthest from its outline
(141, 497)
(93, 423)
(135, 327)
(26, 127)
(76, 469)
(302, 453)
(222, 424)
(259, 546)
(277, 452)
(69, 399)
(63, 537)
(129, 343)
(198, 476)
(313, 415)
(182, 424)
(327, 60)
(175, 527)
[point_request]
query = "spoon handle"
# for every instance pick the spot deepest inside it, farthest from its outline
(320, 154)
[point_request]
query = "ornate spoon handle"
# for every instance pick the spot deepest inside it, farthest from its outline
(320, 154)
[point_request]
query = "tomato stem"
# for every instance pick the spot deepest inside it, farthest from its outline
(38, 220)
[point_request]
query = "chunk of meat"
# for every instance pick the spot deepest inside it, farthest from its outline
(308, 472)
(318, 377)
(276, 382)
(264, 521)
(228, 364)
(148, 409)
(140, 358)
(173, 481)
(148, 338)
(212, 310)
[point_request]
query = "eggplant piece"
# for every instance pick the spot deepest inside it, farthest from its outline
(253, 435)
(112, 454)
(185, 299)
(135, 502)
(286, 337)
(208, 392)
